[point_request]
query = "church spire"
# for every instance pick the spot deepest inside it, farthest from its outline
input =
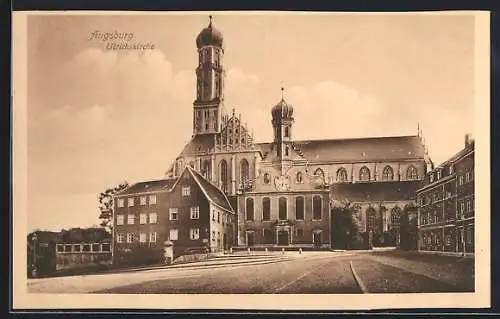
(208, 106)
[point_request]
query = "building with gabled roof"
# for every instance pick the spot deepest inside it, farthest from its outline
(188, 211)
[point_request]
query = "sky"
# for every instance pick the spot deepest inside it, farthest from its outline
(98, 117)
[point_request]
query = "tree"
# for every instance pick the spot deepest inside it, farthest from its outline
(346, 225)
(106, 205)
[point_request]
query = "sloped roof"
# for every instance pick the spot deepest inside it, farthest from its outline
(357, 149)
(370, 192)
(149, 186)
(199, 144)
(458, 155)
(213, 192)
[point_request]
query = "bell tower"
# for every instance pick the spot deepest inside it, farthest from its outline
(208, 106)
(282, 120)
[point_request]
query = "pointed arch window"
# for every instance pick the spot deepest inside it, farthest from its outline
(370, 219)
(387, 174)
(223, 175)
(282, 209)
(341, 175)
(364, 174)
(249, 209)
(244, 171)
(319, 172)
(412, 173)
(395, 218)
(206, 169)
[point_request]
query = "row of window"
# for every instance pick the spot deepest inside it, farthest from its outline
(132, 237)
(435, 237)
(364, 175)
(142, 201)
(465, 209)
(434, 197)
(431, 217)
(194, 234)
(194, 213)
(466, 178)
(143, 219)
(186, 191)
(67, 248)
(317, 208)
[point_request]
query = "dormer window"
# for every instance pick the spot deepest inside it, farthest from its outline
(438, 174)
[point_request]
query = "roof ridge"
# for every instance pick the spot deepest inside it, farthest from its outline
(346, 139)
(197, 176)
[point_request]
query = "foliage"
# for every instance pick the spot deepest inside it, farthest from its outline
(71, 236)
(84, 235)
(346, 225)
(106, 205)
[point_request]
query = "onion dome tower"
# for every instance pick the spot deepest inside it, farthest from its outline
(282, 120)
(208, 106)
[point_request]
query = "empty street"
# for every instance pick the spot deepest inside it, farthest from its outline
(308, 273)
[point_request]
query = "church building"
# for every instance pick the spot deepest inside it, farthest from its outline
(282, 190)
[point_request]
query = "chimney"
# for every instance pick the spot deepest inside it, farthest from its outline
(467, 140)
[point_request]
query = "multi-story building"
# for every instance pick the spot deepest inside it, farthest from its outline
(188, 211)
(283, 188)
(446, 204)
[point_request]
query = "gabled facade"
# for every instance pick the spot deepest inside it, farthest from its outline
(188, 211)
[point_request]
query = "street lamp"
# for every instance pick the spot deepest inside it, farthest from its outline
(245, 185)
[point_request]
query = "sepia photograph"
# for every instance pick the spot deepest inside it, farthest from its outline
(222, 159)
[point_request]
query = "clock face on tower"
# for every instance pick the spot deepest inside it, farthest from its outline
(282, 183)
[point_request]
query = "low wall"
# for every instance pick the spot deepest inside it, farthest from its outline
(286, 248)
(194, 258)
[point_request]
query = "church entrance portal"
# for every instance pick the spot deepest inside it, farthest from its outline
(283, 238)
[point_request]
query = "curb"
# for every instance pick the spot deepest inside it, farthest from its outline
(358, 280)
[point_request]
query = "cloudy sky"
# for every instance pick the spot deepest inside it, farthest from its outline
(98, 117)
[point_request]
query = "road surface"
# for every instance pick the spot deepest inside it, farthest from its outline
(309, 273)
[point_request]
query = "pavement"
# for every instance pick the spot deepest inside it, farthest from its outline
(309, 272)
